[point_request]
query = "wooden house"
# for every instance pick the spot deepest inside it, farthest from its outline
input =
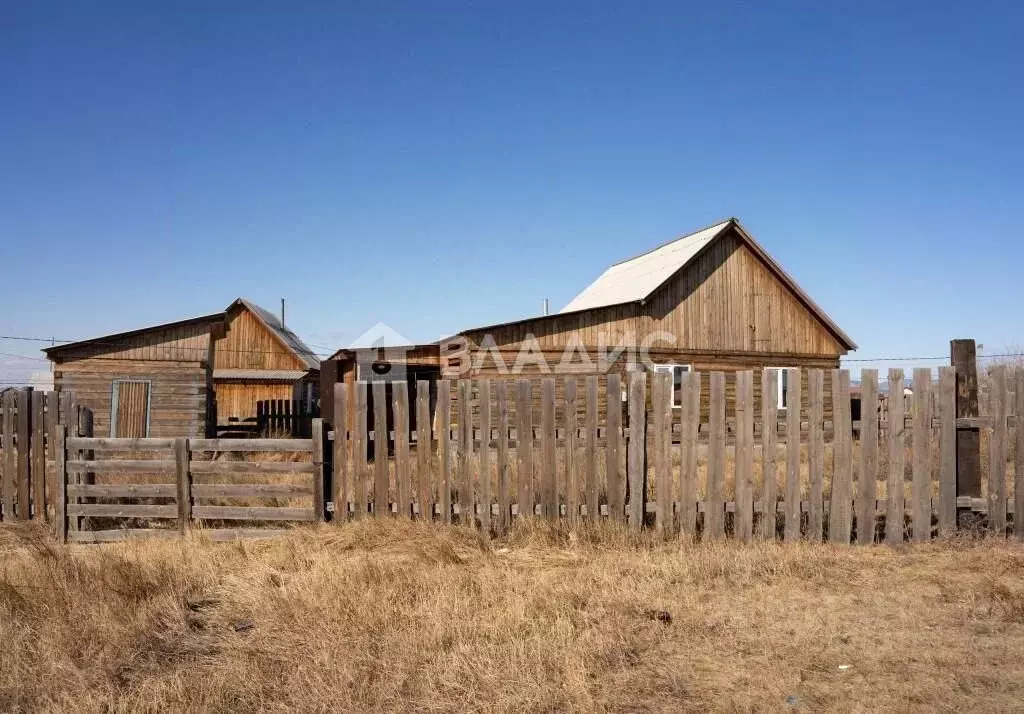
(710, 300)
(188, 377)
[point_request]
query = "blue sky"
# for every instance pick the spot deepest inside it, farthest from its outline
(439, 165)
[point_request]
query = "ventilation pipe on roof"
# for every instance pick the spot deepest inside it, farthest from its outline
(282, 312)
(546, 307)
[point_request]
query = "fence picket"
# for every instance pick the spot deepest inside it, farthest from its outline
(504, 492)
(38, 467)
(61, 479)
(867, 481)
(714, 513)
(549, 494)
(590, 451)
(615, 483)
(816, 454)
(484, 489)
(317, 436)
(465, 453)
(571, 481)
(792, 501)
(424, 448)
(689, 421)
(997, 450)
(403, 478)
(52, 413)
(947, 450)
(769, 453)
(360, 452)
(381, 505)
(1018, 456)
(895, 492)
(524, 447)
(921, 509)
(9, 483)
(636, 448)
(743, 524)
(661, 405)
(342, 472)
(444, 414)
(840, 516)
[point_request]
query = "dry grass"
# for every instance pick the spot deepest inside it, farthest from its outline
(394, 616)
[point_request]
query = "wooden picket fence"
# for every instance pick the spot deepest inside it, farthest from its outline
(27, 482)
(641, 465)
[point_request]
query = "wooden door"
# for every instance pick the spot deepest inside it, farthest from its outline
(129, 416)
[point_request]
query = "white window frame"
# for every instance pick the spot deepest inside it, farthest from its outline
(671, 369)
(781, 392)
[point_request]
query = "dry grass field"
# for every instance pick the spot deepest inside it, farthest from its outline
(405, 616)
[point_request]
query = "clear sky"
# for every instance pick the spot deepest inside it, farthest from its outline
(439, 165)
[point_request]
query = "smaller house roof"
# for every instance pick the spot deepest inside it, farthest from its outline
(289, 338)
(270, 375)
(116, 339)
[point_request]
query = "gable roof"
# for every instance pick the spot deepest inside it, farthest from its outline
(635, 280)
(288, 338)
(116, 340)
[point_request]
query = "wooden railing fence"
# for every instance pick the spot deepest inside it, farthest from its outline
(285, 418)
(144, 488)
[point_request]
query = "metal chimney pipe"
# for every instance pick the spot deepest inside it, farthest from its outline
(546, 306)
(282, 312)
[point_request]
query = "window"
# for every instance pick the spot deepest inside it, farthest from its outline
(677, 371)
(129, 409)
(782, 397)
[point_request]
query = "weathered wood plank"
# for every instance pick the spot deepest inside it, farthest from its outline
(252, 513)
(183, 481)
(9, 486)
(381, 498)
(123, 466)
(52, 413)
(1018, 455)
(549, 494)
(124, 490)
(319, 503)
(24, 427)
(590, 479)
(504, 490)
(895, 494)
(444, 397)
(61, 478)
(342, 471)
(744, 520)
(921, 508)
(360, 452)
(38, 459)
(244, 490)
(403, 475)
(947, 451)
(840, 515)
(867, 482)
(297, 445)
(465, 453)
(132, 510)
(714, 517)
(424, 449)
(122, 534)
(816, 454)
(524, 447)
(615, 483)
(792, 496)
(637, 448)
(239, 467)
(484, 481)
(769, 453)
(997, 450)
(661, 406)
(571, 484)
(689, 423)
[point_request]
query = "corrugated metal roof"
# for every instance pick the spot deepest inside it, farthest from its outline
(635, 279)
(276, 375)
(301, 350)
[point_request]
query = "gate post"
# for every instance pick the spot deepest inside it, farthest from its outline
(60, 466)
(319, 506)
(963, 357)
(184, 481)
